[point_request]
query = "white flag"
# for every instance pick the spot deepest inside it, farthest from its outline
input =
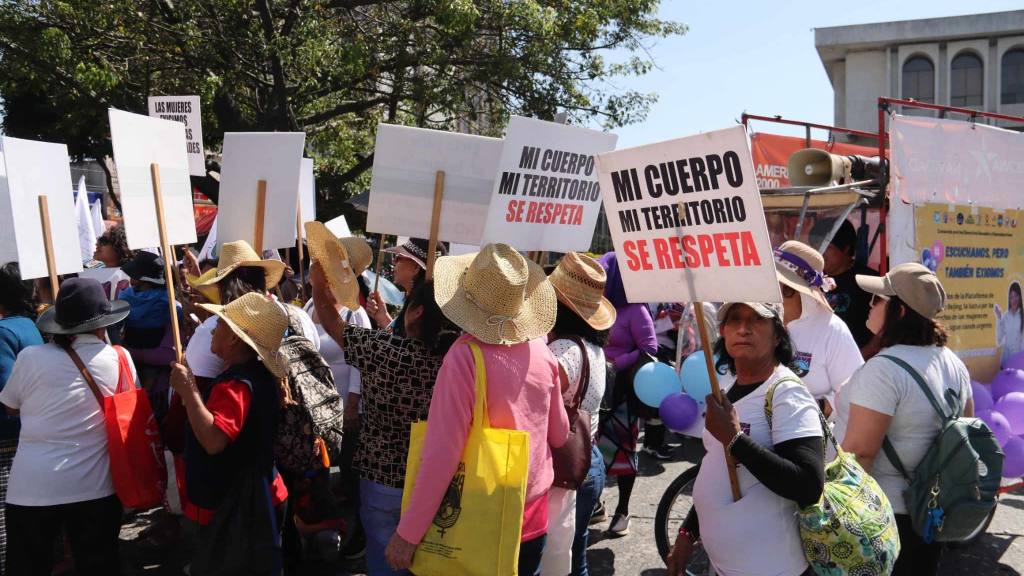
(98, 225)
(86, 233)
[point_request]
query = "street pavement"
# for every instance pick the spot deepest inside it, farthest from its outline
(999, 551)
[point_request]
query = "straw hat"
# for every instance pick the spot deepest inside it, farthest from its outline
(495, 294)
(259, 322)
(202, 285)
(801, 267)
(238, 254)
(578, 281)
(333, 256)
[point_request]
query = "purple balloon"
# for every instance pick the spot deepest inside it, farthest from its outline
(1013, 464)
(999, 425)
(982, 397)
(1016, 361)
(1006, 381)
(1012, 406)
(678, 411)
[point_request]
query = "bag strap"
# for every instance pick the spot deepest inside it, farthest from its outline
(480, 417)
(125, 381)
(584, 384)
(826, 430)
(85, 374)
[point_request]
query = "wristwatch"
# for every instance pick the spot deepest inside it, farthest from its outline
(732, 442)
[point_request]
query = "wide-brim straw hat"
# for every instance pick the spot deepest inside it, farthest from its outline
(579, 281)
(333, 256)
(201, 284)
(496, 295)
(259, 321)
(238, 254)
(801, 267)
(81, 306)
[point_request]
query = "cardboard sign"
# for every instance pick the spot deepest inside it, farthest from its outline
(248, 158)
(307, 194)
(29, 169)
(405, 162)
(184, 109)
(546, 195)
(339, 227)
(686, 221)
(140, 141)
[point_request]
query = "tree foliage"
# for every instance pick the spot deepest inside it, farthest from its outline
(334, 68)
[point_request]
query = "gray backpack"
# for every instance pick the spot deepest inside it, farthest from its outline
(954, 487)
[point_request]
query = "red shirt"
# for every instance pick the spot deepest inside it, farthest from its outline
(229, 403)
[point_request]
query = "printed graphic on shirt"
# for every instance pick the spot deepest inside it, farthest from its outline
(451, 505)
(802, 363)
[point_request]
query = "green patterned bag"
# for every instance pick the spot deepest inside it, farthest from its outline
(851, 530)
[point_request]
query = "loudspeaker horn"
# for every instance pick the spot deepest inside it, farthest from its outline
(813, 167)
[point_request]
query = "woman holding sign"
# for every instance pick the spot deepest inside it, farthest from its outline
(780, 464)
(410, 271)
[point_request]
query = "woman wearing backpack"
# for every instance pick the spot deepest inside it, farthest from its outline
(882, 400)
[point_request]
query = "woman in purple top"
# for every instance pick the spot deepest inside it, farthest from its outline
(632, 335)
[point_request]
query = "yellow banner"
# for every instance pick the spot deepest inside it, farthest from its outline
(978, 255)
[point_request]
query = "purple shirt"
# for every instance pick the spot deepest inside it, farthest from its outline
(633, 331)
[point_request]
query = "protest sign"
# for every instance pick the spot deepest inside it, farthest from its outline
(139, 142)
(184, 109)
(405, 165)
(546, 195)
(28, 170)
(686, 220)
(307, 195)
(977, 255)
(249, 157)
(339, 227)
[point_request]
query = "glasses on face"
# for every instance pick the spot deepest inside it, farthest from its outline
(876, 299)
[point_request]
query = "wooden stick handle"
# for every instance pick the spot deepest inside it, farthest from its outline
(709, 361)
(261, 208)
(298, 243)
(435, 221)
(168, 255)
(51, 262)
(380, 261)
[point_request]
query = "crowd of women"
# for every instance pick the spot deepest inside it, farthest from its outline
(548, 339)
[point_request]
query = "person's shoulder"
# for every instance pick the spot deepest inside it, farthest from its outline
(785, 381)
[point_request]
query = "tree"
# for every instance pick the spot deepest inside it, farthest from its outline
(333, 68)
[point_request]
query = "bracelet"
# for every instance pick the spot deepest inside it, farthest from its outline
(732, 442)
(689, 535)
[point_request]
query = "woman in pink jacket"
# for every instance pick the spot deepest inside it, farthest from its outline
(506, 305)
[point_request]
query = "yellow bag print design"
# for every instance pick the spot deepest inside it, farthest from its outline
(478, 525)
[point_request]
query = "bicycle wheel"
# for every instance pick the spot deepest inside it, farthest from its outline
(675, 504)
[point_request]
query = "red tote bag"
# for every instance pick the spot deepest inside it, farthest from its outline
(133, 439)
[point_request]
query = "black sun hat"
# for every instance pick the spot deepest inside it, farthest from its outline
(82, 306)
(145, 267)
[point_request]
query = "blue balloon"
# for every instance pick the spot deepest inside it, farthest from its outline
(678, 411)
(653, 382)
(695, 377)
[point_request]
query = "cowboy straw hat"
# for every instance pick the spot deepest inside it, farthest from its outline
(579, 281)
(496, 295)
(238, 254)
(201, 284)
(801, 267)
(81, 306)
(260, 323)
(338, 265)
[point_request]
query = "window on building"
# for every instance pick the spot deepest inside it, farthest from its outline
(967, 81)
(919, 79)
(1012, 77)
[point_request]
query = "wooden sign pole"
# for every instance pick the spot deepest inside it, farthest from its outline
(435, 220)
(709, 361)
(168, 255)
(261, 207)
(51, 263)
(298, 242)
(380, 260)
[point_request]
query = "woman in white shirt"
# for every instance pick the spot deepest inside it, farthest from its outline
(1010, 325)
(826, 355)
(882, 400)
(60, 478)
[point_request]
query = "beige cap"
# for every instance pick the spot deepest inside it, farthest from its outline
(763, 309)
(913, 283)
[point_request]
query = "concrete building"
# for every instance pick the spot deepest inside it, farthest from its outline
(974, 61)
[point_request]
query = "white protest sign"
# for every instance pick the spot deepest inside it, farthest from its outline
(405, 162)
(307, 194)
(248, 158)
(184, 109)
(715, 246)
(29, 169)
(339, 227)
(140, 141)
(546, 195)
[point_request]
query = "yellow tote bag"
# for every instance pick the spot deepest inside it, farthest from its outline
(479, 523)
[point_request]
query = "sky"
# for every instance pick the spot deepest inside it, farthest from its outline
(759, 57)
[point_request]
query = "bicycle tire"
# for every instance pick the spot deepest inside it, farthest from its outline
(662, 536)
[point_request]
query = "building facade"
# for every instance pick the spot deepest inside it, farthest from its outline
(974, 61)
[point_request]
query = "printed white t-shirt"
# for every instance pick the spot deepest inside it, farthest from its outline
(885, 387)
(826, 353)
(757, 534)
(62, 451)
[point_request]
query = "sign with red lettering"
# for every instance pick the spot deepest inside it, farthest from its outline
(546, 195)
(686, 220)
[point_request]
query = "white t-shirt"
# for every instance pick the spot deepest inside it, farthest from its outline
(571, 360)
(205, 364)
(62, 451)
(882, 386)
(757, 534)
(346, 378)
(826, 353)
